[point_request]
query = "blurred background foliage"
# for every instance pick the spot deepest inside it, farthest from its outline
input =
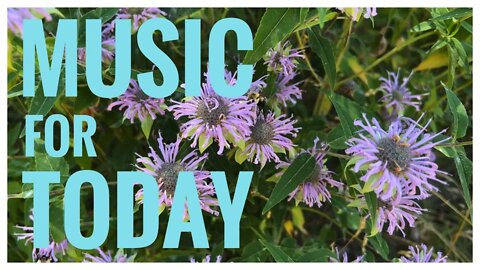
(435, 43)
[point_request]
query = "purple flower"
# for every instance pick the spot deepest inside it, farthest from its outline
(286, 91)
(268, 136)
(215, 118)
(423, 255)
(139, 15)
(108, 45)
(397, 95)
(207, 259)
(344, 258)
(314, 190)
(395, 159)
(17, 15)
(165, 169)
(137, 104)
(368, 12)
(282, 59)
(103, 257)
(47, 254)
(398, 212)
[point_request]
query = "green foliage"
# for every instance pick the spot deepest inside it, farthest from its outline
(339, 79)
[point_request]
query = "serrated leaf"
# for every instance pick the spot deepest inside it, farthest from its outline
(322, 47)
(277, 253)
(276, 24)
(460, 117)
(300, 169)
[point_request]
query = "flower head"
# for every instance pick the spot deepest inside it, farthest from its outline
(397, 158)
(103, 257)
(354, 13)
(139, 15)
(207, 259)
(47, 254)
(286, 91)
(215, 118)
(108, 45)
(282, 59)
(397, 95)
(344, 257)
(423, 255)
(137, 104)
(314, 190)
(166, 167)
(398, 212)
(268, 136)
(17, 15)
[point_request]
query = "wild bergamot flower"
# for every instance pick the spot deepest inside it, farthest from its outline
(398, 213)
(344, 257)
(354, 13)
(103, 257)
(423, 255)
(47, 254)
(207, 259)
(137, 104)
(397, 158)
(139, 15)
(17, 15)
(397, 95)
(212, 117)
(108, 45)
(314, 190)
(166, 167)
(268, 136)
(282, 59)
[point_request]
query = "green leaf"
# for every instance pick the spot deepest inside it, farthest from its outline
(423, 26)
(40, 104)
(147, 124)
(300, 170)
(322, 47)
(347, 111)
(276, 25)
(456, 13)
(460, 117)
(240, 156)
(462, 54)
(371, 199)
(320, 255)
(99, 13)
(278, 254)
(203, 144)
(45, 162)
(380, 246)
(464, 170)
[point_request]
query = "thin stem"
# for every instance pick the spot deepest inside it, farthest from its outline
(387, 55)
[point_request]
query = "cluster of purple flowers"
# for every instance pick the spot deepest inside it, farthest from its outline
(397, 163)
(281, 62)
